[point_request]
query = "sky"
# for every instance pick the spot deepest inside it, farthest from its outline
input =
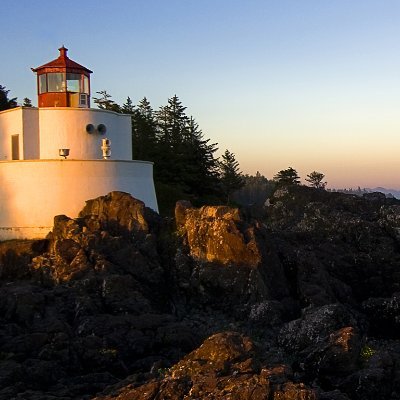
(308, 84)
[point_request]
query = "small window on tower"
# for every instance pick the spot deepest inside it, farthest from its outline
(15, 147)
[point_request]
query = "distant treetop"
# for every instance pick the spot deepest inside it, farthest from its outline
(287, 176)
(315, 179)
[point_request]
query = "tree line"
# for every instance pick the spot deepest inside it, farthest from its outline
(7, 103)
(257, 188)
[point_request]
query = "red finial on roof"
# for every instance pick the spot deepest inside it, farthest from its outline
(63, 51)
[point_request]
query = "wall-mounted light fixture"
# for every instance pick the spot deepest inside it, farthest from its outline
(106, 148)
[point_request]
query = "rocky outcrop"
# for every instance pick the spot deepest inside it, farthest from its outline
(225, 366)
(122, 304)
(224, 259)
(337, 247)
(94, 306)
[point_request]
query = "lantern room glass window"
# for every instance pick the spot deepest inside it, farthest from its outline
(42, 83)
(63, 82)
(77, 83)
(73, 82)
(85, 84)
(56, 82)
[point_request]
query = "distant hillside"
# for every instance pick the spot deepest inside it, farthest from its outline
(394, 192)
(359, 192)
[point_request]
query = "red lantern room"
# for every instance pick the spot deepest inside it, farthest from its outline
(63, 83)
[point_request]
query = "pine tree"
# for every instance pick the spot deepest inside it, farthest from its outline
(144, 142)
(128, 107)
(171, 121)
(105, 103)
(230, 176)
(5, 102)
(171, 124)
(201, 171)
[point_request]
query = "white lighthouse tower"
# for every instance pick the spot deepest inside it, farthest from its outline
(56, 156)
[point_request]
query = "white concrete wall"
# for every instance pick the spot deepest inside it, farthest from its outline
(11, 123)
(33, 192)
(65, 127)
(45, 130)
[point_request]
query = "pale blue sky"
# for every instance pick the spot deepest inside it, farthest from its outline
(313, 84)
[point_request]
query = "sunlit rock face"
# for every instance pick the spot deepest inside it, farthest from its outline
(218, 234)
(225, 366)
(118, 212)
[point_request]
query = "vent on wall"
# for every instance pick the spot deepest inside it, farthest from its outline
(90, 128)
(102, 129)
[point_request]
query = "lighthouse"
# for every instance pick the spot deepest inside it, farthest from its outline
(56, 156)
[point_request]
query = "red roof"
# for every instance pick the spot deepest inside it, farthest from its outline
(62, 62)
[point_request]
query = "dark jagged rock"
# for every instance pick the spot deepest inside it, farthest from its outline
(15, 256)
(118, 304)
(96, 303)
(314, 325)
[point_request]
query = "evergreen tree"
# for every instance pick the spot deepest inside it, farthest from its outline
(144, 141)
(5, 102)
(230, 176)
(287, 176)
(201, 173)
(315, 179)
(27, 102)
(128, 107)
(171, 121)
(105, 103)
(171, 131)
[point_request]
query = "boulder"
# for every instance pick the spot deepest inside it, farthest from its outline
(218, 234)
